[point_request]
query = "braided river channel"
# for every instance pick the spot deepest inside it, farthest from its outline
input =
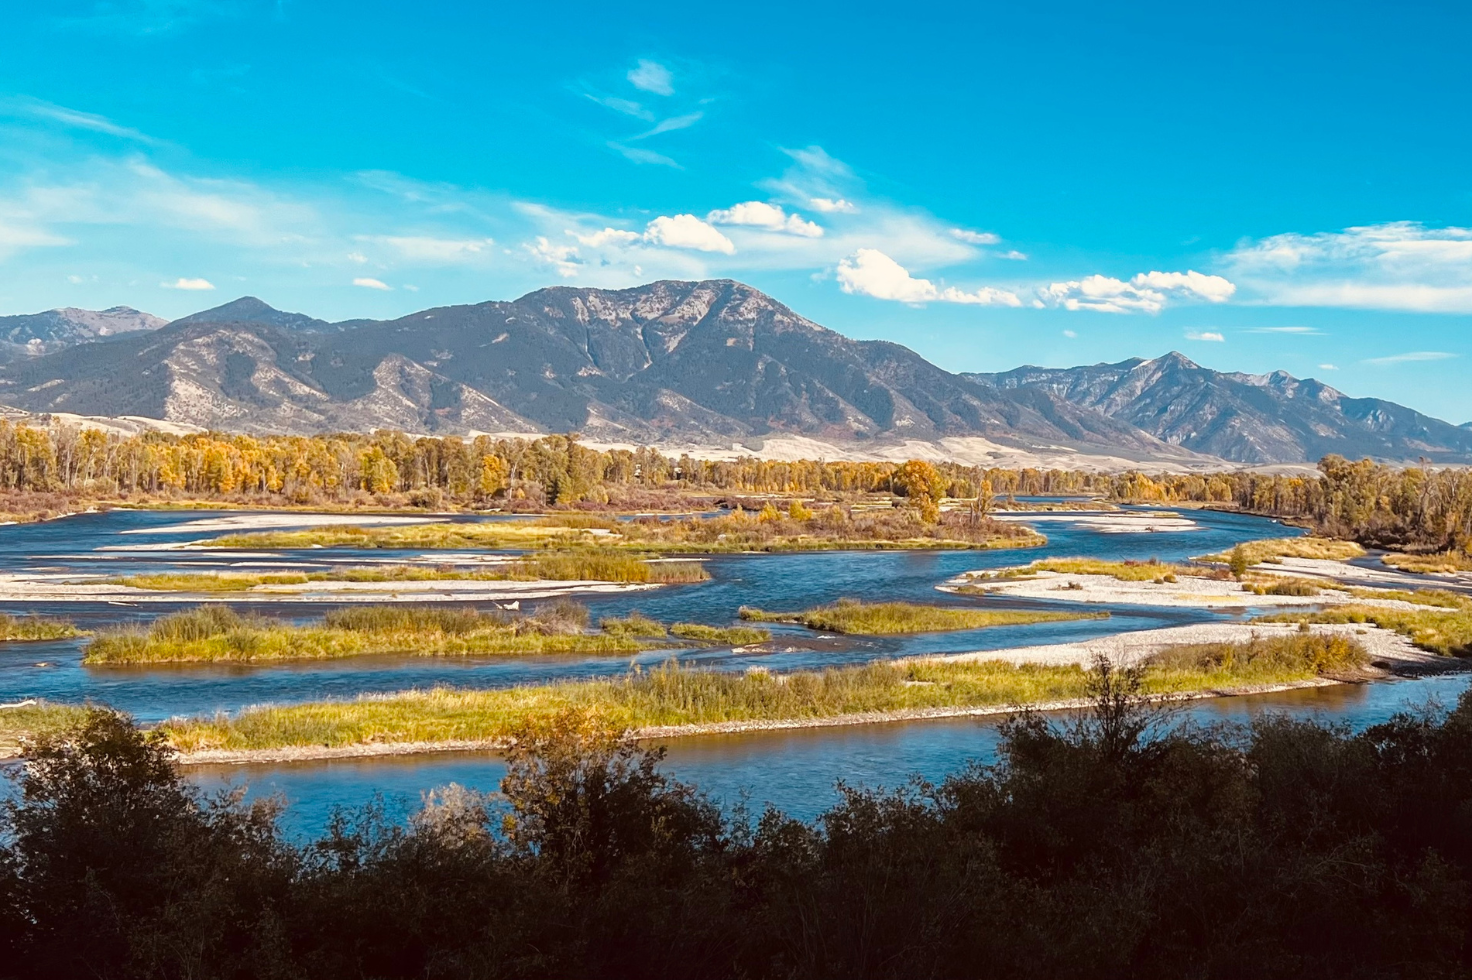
(795, 770)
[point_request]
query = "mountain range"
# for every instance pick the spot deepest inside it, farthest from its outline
(676, 364)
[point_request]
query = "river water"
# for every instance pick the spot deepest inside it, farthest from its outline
(795, 771)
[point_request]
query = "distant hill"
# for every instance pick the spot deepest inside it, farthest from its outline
(698, 364)
(1246, 418)
(53, 329)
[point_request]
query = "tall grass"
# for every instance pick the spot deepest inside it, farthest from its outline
(671, 695)
(589, 564)
(1445, 631)
(217, 633)
(1268, 657)
(1440, 563)
(1125, 571)
(16, 628)
(1273, 550)
(834, 528)
(22, 721)
(882, 618)
(735, 636)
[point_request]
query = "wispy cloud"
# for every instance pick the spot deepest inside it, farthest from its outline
(1206, 335)
(1328, 367)
(191, 285)
(651, 76)
(672, 124)
(146, 17)
(626, 106)
(1410, 357)
(1297, 331)
(71, 118)
(1402, 265)
(368, 282)
(641, 155)
(975, 237)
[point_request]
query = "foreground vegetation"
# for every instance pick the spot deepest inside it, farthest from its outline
(1126, 571)
(36, 628)
(674, 696)
(881, 618)
(1112, 845)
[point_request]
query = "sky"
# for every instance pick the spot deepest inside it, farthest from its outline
(1261, 186)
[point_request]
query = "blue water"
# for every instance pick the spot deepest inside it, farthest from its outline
(86, 543)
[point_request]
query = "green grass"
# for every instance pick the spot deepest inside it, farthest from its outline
(18, 628)
(586, 564)
(1446, 631)
(1266, 658)
(674, 696)
(882, 618)
(1420, 597)
(736, 636)
(27, 721)
(635, 624)
(1273, 550)
(1446, 561)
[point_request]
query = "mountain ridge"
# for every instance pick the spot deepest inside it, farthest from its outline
(708, 363)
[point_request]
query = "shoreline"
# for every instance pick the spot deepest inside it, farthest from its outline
(228, 757)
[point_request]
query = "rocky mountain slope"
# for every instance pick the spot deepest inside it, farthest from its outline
(1247, 418)
(692, 362)
(40, 332)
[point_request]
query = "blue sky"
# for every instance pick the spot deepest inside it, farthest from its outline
(1260, 186)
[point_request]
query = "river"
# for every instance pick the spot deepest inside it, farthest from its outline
(795, 771)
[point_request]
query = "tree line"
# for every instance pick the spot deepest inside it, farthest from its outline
(1115, 845)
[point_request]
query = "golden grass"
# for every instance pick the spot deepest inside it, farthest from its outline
(737, 532)
(19, 628)
(588, 564)
(1273, 550)
(215, 634)
(18, 722)
(1447, 631)
(1125, 571)
(1290, 585)
(736, 636)
(883, 618)
(1443, 562)
(675, 696)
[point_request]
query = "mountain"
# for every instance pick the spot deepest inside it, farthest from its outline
(248, 309)
(1246, 418)
(711, 362)
(53, 329)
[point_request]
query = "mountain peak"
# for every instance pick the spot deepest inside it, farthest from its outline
(249, 309)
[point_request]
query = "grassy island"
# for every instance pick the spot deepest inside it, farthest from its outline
(671, 696)
(796, 529)
(582, 564)
(882, 618)
(1274, 550)
(1442, 624)
(219, 634)
(19, 628)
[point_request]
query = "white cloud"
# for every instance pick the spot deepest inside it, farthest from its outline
(625, 106)
(1401, 265)
(829, 205)
(370, 283)
(1410, 357)
(563, 258)
(606, 237)
(771, 217)
(427, 249)
(358, 258)
(687, 231)
(1209, 335)
(191, 285)
(1014, 255)
(1147, 292)
(1297, 331)
(651, 76)
(1070, 334)
(975, 237)
(1327, 367)
(1213, 289)
(872, 273)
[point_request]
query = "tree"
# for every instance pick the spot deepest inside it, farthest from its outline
(922, 486)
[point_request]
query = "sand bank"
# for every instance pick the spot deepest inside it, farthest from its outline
(1107, 523)
(270, 520)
